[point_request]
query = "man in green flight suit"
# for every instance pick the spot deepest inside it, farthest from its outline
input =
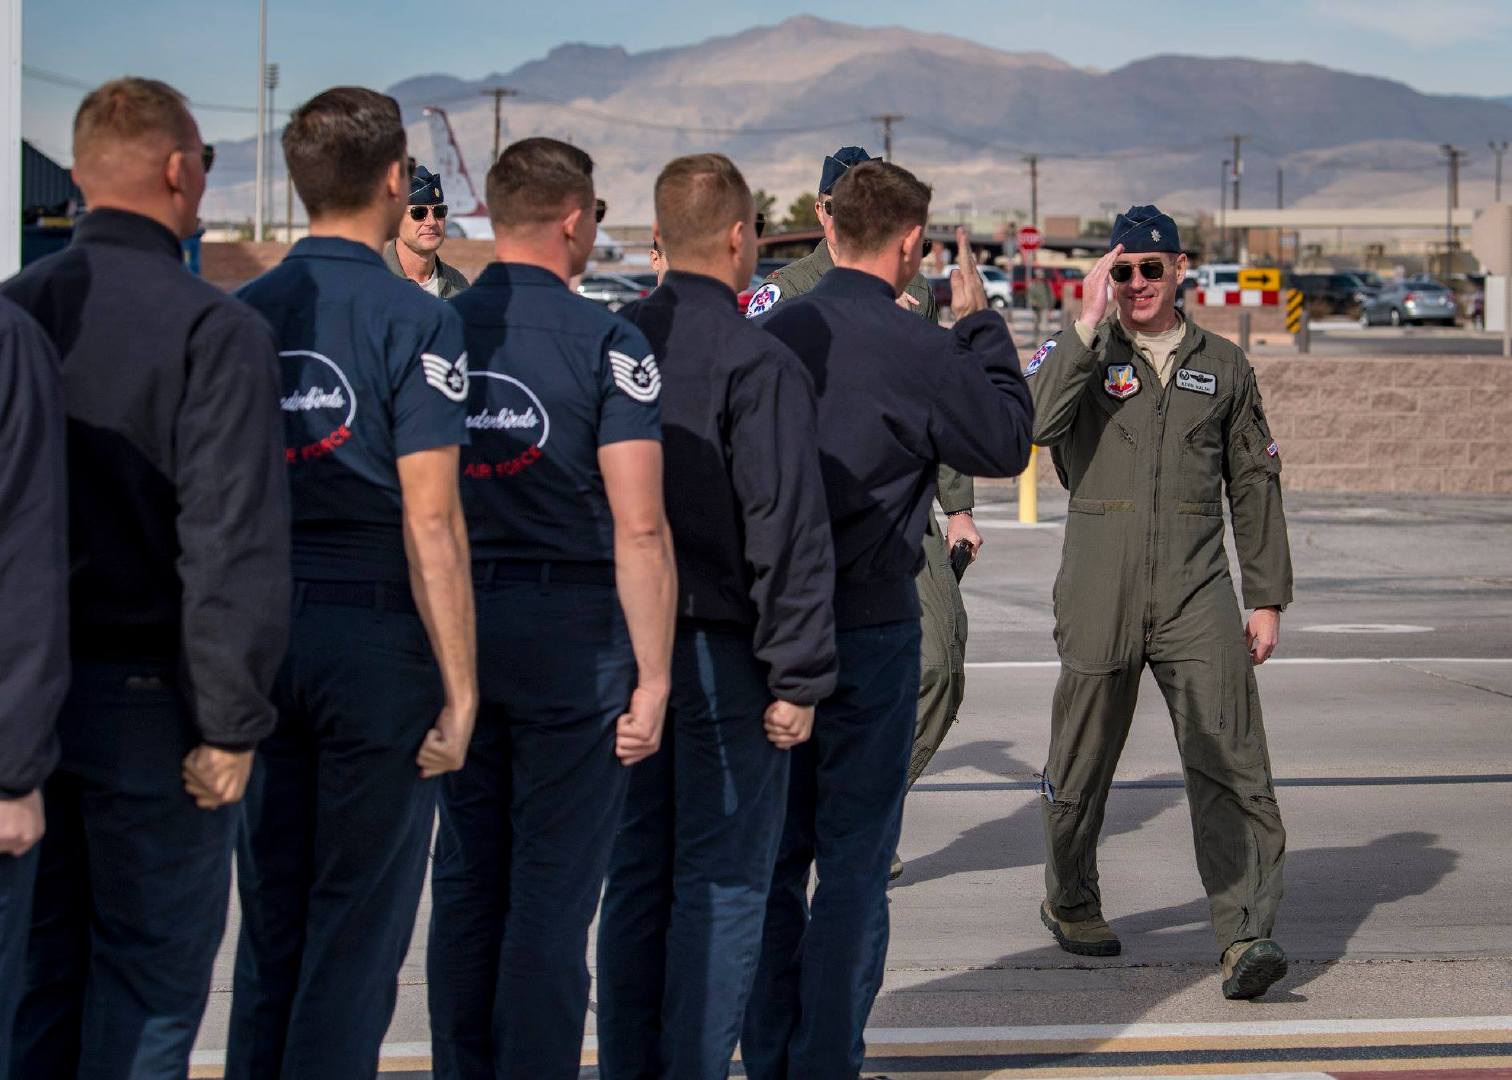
(422, 231)
(943, 654)
(1152, 420)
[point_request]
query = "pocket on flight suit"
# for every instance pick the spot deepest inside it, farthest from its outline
(1210, 703)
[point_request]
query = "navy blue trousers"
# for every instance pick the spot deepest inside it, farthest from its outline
(525, 832)
(18, 876)
(821, 964)
(332, 857)
(680, 929)
(131, 892)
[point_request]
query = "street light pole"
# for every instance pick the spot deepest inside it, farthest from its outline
(1498, 148)
(262, 117)
(10, 137)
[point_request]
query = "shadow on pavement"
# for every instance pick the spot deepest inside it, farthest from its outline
(1345, 884)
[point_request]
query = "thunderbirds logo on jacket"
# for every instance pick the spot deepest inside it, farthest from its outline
(1121, 381)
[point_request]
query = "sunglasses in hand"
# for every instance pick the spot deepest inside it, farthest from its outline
(1149, 269)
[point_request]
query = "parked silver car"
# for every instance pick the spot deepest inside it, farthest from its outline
(614, 291)
(1410, 302)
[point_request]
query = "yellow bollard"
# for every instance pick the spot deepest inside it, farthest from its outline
(1028, 490)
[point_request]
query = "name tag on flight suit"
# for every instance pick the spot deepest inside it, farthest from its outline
(1197, 381)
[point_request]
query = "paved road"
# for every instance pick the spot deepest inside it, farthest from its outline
(1341, 337)
(1333, 337)
(1394, 756)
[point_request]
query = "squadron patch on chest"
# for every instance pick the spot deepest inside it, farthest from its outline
(763, 299)
(1121, 382)
(1199, 382)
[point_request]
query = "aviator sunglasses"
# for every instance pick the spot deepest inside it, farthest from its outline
(417, 213)
(1149, 269)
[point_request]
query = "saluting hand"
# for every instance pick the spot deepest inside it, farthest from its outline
(787, 724)
(1095, 289)
(215, 778)
(968, 294)
(638, 732)
(444, 749)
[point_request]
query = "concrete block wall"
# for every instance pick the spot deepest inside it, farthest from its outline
(1390, 423)
(1384, 423)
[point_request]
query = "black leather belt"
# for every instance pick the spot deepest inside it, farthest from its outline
(377, 595)
(486, 571)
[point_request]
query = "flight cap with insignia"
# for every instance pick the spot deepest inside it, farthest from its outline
(836, 165)
(1144, 229)
(425, 188)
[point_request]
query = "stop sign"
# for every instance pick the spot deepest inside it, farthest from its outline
(1028, 238)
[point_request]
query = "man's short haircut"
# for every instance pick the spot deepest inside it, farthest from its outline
(339, 145)
(131, 110)
(876, 201)
(698, 198)
(537, 180)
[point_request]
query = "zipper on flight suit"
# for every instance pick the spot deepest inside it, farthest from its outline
(1154, 532)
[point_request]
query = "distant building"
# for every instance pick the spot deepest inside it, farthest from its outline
(49, 202)
(47, 190)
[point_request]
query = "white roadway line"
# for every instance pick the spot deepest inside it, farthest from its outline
(1071, 1032)
(878, 1037)
(1283, 661)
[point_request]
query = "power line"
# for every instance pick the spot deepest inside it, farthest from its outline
(56, 79)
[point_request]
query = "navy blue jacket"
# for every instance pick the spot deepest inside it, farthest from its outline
(744, 494)
(178, 510)
(33, 553)
(898, 396)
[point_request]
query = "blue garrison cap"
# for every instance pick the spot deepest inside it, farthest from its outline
(1143, 229)
(837, 163)
(425, 188)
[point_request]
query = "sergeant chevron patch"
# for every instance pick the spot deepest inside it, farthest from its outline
(640, 379)
(447, 376)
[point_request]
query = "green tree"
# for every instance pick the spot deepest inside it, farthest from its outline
(801, 214)
(764, 202)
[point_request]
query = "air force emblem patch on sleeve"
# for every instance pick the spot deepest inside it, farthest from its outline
(640, 379)
(447, 376)
(1039, 357)
(763, 300)
(1199, 382)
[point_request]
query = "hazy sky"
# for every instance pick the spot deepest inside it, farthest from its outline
(208, 48)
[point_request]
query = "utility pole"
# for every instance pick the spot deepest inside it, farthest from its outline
(1452, 155)
(262, 119)
(1280, 187)
(1223, 186)
(1498, 148)
(498, 93)
(270, 82)
(887, 120)
(1033, 160)
(1238, 167)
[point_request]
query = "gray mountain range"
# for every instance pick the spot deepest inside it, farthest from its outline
(778, 98)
